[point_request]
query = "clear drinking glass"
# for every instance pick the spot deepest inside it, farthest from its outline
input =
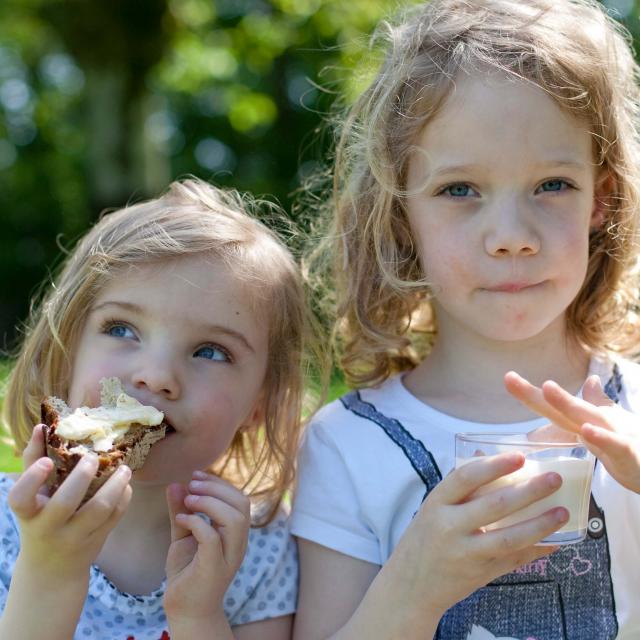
(572, 460)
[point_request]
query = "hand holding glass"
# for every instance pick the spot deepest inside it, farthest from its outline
(572, 460)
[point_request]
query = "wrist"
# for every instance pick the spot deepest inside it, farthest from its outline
(52, 570)
(415, 608)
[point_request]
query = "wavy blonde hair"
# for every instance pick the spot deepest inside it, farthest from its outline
(191, 218)
(570, 49)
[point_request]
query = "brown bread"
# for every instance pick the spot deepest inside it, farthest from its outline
(130, 449)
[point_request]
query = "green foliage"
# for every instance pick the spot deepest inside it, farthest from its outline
(9, 462)
(104, 103)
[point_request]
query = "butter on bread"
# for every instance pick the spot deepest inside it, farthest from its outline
(119, 431)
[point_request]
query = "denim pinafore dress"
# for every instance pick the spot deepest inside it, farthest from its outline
(565, 596)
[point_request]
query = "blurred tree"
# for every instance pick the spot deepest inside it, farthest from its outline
(105, 102)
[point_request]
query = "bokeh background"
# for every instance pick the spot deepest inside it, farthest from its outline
(104, 102)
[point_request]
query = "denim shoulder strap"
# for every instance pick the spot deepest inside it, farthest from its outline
(419, 457)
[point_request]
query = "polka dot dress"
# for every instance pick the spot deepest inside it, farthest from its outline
(264, 587)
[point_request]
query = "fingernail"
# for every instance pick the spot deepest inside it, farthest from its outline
(124, 470)
(192, 498)
(554, 479)
(561, 514)
(200, 475)
(195, 485)
(43, 463)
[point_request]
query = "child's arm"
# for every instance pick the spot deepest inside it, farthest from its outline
(204, 556)
(610, 432)
(443, 557)
(58, 543)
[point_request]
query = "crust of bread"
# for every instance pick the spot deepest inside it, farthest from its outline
(131, 449)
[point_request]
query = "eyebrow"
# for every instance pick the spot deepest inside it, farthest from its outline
(208, 328)
(468, 168)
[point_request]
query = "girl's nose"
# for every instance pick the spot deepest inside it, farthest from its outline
(158, 377)
(510, 232)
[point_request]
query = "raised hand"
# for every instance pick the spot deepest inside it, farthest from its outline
(57, 537)
(610, 432)
(447, 538)
(58, 542)
(205, 552)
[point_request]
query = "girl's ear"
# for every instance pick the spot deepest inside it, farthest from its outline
(602, 199)
(257, 416)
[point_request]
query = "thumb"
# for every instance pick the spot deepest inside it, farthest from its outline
(35, 448)
(176, 494)
(592, 392)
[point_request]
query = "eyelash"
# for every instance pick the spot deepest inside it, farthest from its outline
(227, 354)
(107, 325)
(566, 183)
(443, 190)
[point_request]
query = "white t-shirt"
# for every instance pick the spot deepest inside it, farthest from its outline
(264, 587)
(369, 458)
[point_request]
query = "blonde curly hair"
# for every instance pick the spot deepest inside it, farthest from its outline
(191, 218)
(570, 49)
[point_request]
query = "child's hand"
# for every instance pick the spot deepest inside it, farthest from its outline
(57, 538)
(610, 432)
(446, 554)
(204, 556)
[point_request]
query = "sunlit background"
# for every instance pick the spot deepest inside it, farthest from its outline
(105, 102)
(102, 103)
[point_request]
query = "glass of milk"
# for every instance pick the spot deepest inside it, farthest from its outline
(572, 460)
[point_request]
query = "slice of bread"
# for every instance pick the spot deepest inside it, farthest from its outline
(130, 446)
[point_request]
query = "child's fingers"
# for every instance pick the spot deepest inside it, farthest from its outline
(534, 398)
(593, 392)
(102, 506)
(176, 494)
(465, 480)
(116, 514)
(522, 557)
(576, 410)
(66, 500)
(24, 498)
(35, 448)
(499, 542)
(232, 525)
(498, 504)
(208, 538)
(208, 485)
(601, 440)
(619, 453)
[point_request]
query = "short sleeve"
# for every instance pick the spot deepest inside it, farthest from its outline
(266, 585)
(326, 506)
(9, 540)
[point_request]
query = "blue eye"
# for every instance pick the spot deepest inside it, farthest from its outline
(118, 330)
(553, 185)
(458, 190)
(213, 352)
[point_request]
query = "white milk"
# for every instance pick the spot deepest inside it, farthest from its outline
(573, 495)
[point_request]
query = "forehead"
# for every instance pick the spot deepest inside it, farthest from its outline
(489, 117)
(194, 289)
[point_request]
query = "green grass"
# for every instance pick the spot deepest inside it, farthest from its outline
(10, 463)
